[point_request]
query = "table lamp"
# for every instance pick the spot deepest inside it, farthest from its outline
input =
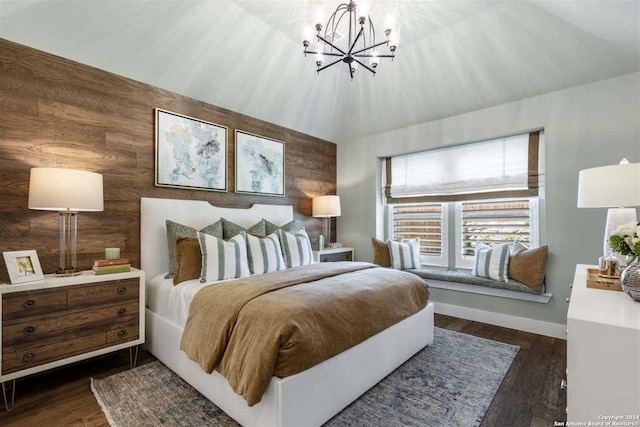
(326, 207)
(67, 191)
(616, 187)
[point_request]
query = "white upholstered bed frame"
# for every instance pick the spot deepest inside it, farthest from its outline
(306, 399)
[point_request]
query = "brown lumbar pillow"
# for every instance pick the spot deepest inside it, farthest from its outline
(381, 254)
(529, 266)
(189, 259)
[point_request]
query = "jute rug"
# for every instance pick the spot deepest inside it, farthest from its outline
(450, 383)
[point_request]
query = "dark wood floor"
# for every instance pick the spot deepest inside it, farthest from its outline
(529, 395)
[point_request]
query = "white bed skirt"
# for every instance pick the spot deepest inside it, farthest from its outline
(311, 397)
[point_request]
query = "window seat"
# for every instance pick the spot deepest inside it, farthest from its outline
(466, 282)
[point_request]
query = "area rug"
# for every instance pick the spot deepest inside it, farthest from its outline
(450, 383)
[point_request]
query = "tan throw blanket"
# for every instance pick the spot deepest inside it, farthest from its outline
(285, 322)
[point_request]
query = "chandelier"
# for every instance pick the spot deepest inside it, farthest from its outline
(361, 42)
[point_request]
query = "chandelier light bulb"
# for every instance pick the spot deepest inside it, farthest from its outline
(354, 66)
(363, 12)
(373, 61)
(307, 35)
(318, 17)
(389, 23)
(319, 59)
(394, 38)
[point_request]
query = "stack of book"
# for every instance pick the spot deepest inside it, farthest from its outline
(111, 266)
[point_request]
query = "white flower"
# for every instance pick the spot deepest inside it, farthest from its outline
(626, 230)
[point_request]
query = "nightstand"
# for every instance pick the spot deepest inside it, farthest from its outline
(333, 255)
(61, 320)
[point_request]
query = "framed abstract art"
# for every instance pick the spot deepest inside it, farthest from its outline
(259, 164)
(190, 153)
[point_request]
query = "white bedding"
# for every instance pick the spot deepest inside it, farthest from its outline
(172, 302)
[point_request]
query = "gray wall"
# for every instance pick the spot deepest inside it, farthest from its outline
(585, 126)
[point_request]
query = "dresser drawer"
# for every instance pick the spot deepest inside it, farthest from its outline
(44, 326)
(339, 256)
(101, 293)
(30, 303)
(29, 356)
(122, 334)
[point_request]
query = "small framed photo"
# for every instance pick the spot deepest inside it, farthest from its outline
(259, 165)
(23, 266)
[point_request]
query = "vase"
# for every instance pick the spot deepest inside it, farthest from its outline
(630, 280)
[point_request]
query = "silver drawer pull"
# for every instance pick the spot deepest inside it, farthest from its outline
(28, 357)
(563, 384)
(121, 312)
(29, 330)
(568, 300)
(570, 285)
(122, 290)
(29, 303)
(122, 334)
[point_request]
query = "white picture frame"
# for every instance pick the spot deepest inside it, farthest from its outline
(23, 266)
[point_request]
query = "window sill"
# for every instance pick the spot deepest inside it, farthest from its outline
(482, 290)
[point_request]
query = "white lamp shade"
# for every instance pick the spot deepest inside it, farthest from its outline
(57, 189)
(609, 186)
(326, 206)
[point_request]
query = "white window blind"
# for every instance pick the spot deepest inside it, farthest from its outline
(479, 170)
(494, 223)
(419, 220)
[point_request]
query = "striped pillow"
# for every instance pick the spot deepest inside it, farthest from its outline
(296, 248)
(492, 262)
(405, 256)
(223, 259)
(264, 254)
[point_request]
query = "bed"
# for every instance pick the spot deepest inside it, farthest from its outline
(308, 398)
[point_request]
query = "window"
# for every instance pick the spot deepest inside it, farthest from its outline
(493, 223)
(427, 221)
(492, 189)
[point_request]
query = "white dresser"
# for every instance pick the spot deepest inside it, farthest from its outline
(603, 354)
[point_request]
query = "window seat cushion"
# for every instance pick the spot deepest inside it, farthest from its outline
(469, 279)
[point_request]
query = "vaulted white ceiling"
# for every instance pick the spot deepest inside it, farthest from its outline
(246, 55)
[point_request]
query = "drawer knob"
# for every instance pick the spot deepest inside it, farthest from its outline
(121, 312)
(563, 384)
(28, 357)
(122, 333)
(122, 290)
(29, 330)
(29, 303)
(570, 285)
(568, 300)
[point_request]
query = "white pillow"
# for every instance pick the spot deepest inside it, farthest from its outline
(492, 262)
(296, 248)
(264, 255)
(405, 256)
(223, 259)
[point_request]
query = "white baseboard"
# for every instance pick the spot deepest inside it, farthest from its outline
(555, 330)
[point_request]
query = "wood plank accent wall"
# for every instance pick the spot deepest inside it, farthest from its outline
(58, 113)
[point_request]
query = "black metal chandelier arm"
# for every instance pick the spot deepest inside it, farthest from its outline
(331, 44)
(323, 53)
(370, 47)
(350, 70)
(365, 66)
(329, 65)
(356, 40)
(372, 56)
